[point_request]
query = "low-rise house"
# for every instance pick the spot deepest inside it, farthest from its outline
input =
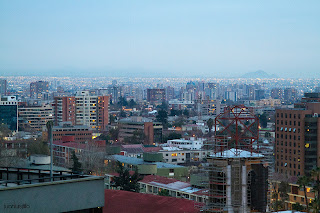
(151, 164)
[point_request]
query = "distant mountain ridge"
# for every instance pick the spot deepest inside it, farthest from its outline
(258, 74)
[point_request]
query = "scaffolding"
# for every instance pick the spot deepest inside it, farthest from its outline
(229, 180)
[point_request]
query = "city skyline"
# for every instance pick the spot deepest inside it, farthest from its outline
(151, 39)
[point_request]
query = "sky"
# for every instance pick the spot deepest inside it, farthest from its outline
(168, 37)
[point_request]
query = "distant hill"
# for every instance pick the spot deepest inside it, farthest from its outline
(258, 74)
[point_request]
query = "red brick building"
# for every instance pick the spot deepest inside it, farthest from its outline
(297, 147)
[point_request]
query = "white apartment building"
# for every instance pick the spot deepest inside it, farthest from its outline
(175, 155)
(182, 143)
(36, 116)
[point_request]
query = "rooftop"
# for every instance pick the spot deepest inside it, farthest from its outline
(145, 203)
(140, 161)
(237, 153)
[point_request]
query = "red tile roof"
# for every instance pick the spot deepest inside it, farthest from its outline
(152, 149)
(124, 201)
(158, 179)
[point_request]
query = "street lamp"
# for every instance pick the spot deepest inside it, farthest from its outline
(49, 127)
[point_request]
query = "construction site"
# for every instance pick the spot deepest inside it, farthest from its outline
(236, 173)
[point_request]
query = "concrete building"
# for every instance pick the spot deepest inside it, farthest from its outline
(276, 93)
(14, 148)
(83, 109)
(297, 149)
(9, 112)
(151, 165)
(38, 88)
(153, 184)
(3, 87)
(170, 93)
(182, 143)
(237, 182)
(66, 132)
(231, 95)
(208, 107)
(156, 96)
(290, 94)
(178, 156)
(151, 130)
(32, 190)
(36, 116)
(181, 105)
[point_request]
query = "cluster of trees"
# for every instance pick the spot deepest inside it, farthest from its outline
(281, 195)
(4, 131)
(113, 134)
(174, 112)
(125, 181)
(137, 138)
(123, 102)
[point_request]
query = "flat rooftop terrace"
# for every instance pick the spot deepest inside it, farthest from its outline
(35, 191)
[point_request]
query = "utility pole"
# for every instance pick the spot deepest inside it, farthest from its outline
(49, 127)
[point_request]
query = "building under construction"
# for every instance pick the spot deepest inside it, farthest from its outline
(236, 175)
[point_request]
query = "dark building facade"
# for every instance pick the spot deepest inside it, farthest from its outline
(37, 88)
(3, 87)
(156, 96)
(9, 112)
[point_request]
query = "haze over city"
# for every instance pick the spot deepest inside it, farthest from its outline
(159, 106)
(160, 39)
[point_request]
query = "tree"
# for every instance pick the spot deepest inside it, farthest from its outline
(315, 173)
(125, 181)
(267, 134)
(114, 134)
(123, 114)
(112, 118)
(263, 120)
(162, 117)
(164, 192)
(315, 205)
(4, 131)
(303, 181)
(38, 147)
(163, 106)
(210, 124)
(171, 136)
(122, 101)
(132, 103)
(297, 206)
(137, 137)
(186, 112)
(283, 190)
(76, 168)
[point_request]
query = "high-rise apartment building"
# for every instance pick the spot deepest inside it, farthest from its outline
(3, 87)
(9, 112)
(169, 93)
(156, 96)
(38, 88)
(82, 109)
(276, 93)
(297, 148)
(290, 94)
(36, 116)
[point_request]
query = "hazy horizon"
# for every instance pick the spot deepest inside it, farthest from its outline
(159, 39)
